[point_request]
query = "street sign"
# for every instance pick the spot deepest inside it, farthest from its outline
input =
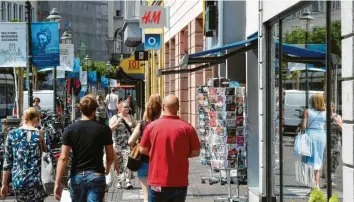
(141, 55)
(152, 42)
(152, 17)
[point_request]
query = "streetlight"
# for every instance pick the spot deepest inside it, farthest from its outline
(54, 17)
(66, 38)
(306, 17)
(88, 60)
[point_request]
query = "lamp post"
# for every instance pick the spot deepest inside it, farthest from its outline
(306, 17)
(29, 56)
(54, 17)
(109, 69)
(88, 60)
(66, 39)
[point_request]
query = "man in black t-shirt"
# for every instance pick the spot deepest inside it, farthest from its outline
(87, 139)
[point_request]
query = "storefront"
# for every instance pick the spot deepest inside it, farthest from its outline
(293, 65)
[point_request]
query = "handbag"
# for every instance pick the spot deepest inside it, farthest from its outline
(47, 168)
(134, 159)
(303, 142)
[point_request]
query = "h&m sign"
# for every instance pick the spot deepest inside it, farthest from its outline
(153, 17)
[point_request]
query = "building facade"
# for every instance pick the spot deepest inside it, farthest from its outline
(89, 27)
(15, 10)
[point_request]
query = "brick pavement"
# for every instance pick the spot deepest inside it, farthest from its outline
(293, 191)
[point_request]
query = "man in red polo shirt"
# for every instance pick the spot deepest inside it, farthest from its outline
(169, 141)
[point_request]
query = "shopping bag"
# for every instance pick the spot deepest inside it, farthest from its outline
(109, 176)
(304, 173)
(303, 145)
(47, 168)
(65, 196)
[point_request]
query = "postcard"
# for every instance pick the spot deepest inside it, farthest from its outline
(231, 140)
(240, 92)
(240, 140)
(212, 91)
(231, 132)
(239, 131)
(239, 120)
(229, 99)
(231, 123)
(230, 107)
(231, 115)
(239, 111)
(229, 91)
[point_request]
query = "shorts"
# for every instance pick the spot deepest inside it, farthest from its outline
(143, 170)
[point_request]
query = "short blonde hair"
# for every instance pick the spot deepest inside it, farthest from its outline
(31, 114)
(317, 102)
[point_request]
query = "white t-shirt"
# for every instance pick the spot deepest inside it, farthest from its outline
(111, 100)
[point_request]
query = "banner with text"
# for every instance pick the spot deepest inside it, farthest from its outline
(66, 57)
(13, 45)
(45, 44)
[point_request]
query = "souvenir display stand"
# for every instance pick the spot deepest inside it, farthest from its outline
(221, 115)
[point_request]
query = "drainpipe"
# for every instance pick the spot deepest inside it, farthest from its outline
(220, 30)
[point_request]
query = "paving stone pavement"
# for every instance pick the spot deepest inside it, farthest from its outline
(293, 191)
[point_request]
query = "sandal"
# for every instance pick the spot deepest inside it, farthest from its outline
(128, 186)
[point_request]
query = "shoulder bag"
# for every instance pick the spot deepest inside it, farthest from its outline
(303, 143)
(134, 159)
(47, 169)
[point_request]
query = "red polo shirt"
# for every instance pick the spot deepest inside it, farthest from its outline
(170, 141)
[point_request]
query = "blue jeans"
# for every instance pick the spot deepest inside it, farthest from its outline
(111, 113)
(168, 194)
(88, 186)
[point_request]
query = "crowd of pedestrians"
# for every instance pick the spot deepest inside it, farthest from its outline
(102, 142)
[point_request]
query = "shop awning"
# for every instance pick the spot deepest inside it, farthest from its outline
(121, 76)
(223, 48)
(292, 53)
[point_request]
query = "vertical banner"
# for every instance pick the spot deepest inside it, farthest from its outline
(13, 45)
(92, 77)
(45, 44)
(83, 78)
(104, 82)
(66, 57)
(75, 74)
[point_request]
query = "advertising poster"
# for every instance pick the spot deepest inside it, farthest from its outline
(45, 44)
(75, 74)
(66, 57)
(13, 45)
(92, 77)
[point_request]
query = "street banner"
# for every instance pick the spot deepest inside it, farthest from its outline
(66, 57)
(92, 77)
(104, 82)
(13, 44)
(45, 44)
(83, 78)
(75, 74)
(112, 83)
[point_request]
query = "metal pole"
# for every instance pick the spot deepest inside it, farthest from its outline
(87, 77)
(280, 57)
(29, 56)
(306, 70)
(329, 97)
(55, 90)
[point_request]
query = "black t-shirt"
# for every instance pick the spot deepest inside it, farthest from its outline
(87, 139)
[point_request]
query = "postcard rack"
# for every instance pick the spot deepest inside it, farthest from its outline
(221, 128)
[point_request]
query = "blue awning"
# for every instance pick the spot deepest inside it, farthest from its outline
(301, 52)
(226, 47)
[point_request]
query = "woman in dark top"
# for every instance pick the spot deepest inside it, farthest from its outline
(152, 112)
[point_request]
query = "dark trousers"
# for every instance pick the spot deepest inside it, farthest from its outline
(168, 194)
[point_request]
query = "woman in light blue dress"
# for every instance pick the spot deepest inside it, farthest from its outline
(314, 122)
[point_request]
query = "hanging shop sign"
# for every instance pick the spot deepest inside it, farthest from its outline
(66, 57)
(141, 55)
(152, 17)
(133, 68)
(45, 44)
(152, 42)
(13, 45)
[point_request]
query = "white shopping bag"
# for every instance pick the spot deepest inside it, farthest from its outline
(110, 176)
(65, 196)
(304, 173)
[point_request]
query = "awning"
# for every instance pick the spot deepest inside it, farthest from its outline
(120, 75)
(223, 48)
(292, 53)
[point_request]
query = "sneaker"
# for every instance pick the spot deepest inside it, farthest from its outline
(119, 185)
(128, 185)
